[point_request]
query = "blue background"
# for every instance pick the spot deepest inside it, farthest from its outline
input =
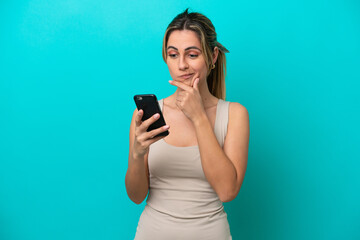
(69, 70)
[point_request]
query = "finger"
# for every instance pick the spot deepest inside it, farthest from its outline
(196, 83)
(157, 131)
(145, 124)
(152, 140)
(196, 75)
(180, 85)
(138, 117)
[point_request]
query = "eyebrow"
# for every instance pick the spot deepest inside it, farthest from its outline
(188, 48)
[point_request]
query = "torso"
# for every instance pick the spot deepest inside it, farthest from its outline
(180, 196)
(182, 131)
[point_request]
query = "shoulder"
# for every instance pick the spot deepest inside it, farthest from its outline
(238, 112)
(236, 109)
(238, 129)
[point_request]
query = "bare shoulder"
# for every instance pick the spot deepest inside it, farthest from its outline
(238, 133)
(238, 112)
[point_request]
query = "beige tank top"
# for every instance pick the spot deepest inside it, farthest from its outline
(178, 186)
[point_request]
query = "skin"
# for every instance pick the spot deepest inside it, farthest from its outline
(191, 112)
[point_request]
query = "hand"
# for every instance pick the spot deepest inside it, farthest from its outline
(189, 100)
(144, 139)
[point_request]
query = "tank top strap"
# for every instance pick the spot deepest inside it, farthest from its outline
(161, 103)
(221, 120)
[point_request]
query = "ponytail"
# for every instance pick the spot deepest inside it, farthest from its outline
(216, 78)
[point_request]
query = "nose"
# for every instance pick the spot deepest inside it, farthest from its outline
(182, 63)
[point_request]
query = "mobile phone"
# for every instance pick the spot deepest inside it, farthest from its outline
(150, 105)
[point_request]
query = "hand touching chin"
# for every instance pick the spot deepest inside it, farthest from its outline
(186, 81)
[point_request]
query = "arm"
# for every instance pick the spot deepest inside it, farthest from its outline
(225, 167)
(137, 175)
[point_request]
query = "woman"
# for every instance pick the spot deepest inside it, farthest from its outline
(202, 162)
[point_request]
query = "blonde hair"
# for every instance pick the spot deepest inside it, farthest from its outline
(205, 30)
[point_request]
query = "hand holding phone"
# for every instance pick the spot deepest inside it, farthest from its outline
(150, 106)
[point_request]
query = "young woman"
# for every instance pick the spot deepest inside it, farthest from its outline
(202, 162)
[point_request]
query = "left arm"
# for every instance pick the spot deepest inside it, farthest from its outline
(225, 167)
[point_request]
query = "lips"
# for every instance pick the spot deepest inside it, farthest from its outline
(186, 76)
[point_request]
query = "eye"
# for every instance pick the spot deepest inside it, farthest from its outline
(193, 54)
(172, 55)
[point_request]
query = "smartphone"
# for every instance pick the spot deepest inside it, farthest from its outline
(150, 105)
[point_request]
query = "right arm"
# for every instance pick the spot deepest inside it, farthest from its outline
(137, 175)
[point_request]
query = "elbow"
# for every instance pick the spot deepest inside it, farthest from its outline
(136, 193)
(136, 198)
(227, 197)
(228, 194)
(137, 201)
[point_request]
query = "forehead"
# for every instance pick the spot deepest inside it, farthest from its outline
(182, 39)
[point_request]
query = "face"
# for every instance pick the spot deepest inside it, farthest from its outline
(185, 57)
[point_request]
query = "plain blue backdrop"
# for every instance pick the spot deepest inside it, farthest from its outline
(69, 70)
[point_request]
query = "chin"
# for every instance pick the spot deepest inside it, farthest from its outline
(187, 82)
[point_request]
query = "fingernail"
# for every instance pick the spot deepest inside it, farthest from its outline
(139, 113)
(166, 126)
(156, 116)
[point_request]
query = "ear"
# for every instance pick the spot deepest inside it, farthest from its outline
(215, 54)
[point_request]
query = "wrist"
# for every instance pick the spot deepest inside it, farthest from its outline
(137, 157)
(200, 120)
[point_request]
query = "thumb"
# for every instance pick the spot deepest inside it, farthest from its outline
(196, 82)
